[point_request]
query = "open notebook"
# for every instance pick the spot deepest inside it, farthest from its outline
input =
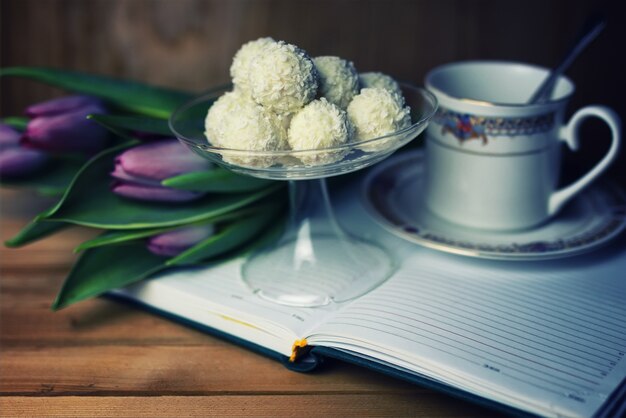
(547, 337)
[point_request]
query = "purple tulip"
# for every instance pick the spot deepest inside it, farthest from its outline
(61, 125)
(152, 193)
(20, 161)
(172, 243)
(9, 137)
(140, 170)
(17, 161)
(61, 105)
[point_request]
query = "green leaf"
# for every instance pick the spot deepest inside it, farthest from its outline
(232, 236)
(134, 123)
(16, 122)
(122, 237)
(111, 128)
(35, 230)
(95, 273)
(52, 180)
(89, 202)
(269, 236)
(218, 180)
(130, 95)
(106, 268)
(119, 237)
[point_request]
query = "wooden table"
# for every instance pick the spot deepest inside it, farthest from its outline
(104, 358)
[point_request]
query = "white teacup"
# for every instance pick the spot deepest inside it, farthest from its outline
(493, 161)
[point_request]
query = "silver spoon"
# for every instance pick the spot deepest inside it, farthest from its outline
(590, 31)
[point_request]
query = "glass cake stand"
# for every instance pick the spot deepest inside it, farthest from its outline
(315, 262)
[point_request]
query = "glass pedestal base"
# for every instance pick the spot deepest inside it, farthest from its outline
(317, 270)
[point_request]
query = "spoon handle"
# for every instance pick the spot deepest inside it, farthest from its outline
(590, 31)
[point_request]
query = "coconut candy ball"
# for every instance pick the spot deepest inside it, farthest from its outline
(236, 122)
(239, 69)
(380, 80)
(376, 112)
(320, 124)
(338, 79)
(283, 78)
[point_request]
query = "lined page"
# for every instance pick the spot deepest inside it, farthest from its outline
(547, 337)
(217, 297)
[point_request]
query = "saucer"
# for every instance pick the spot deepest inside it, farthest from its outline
(393, 195)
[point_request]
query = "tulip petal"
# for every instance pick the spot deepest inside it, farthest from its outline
(68, 132)
(152, 193)
(175, 242)
(119, 174)
(9, 137)
(61, 105)
(162, 159)
(19, 161)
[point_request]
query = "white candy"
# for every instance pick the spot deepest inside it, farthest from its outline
(282, 78)
(272, 107)
(240, 68)
(339, 81)
(236, 122)
(376, 112)
(319, 125)
(380, 80)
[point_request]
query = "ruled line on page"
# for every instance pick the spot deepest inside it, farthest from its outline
(541, 334)
(572, 308)
(489, 322)
(480, 290)
(382, 351)
(581, 290)
(348, 322)
(508, 307)
(516, 317)
(559, 293)
(487, 350)
(447, 289)
(523, 330)
(543, 283)
(486, 334)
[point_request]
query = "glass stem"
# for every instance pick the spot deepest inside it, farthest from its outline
(311, 210)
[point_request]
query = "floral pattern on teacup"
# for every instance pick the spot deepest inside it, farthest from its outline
(466, 127)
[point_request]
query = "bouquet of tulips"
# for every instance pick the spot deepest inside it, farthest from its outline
(107, 153)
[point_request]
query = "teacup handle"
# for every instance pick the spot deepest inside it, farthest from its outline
(569, 134)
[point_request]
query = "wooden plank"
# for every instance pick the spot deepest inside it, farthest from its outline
(55, 252)
(26, 318)
(334, 405)
(37, 285)
(136, 369)
(95, 322)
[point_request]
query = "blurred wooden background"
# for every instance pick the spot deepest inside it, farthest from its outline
(189, 43)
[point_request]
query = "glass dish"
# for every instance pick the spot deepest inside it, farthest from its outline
(315, 262)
